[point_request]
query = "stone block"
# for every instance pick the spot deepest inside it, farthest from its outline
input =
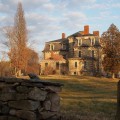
(12, 112)
(22, 89)
(47, 115)
(2, 85)
(5, 109)
(13, 80)
(37, 94)
(40, 109)
(47, 105)
(7, 96)
(12, 96)
(3, 118)
(53, 88)
(24, 104)
(7, 89)
(2, 79)
(55, 101)
(27, 115)
(22, 96)
(13, 118)
(118, 102)
(55, 117)
(30, 84)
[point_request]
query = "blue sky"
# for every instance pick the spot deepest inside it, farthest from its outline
(47, 19)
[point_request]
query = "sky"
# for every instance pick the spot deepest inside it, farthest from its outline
(48, 19)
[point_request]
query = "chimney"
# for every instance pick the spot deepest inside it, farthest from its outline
(86, 29)
(63, 35)
(96, 33)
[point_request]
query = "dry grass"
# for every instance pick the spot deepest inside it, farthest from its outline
(87, 98)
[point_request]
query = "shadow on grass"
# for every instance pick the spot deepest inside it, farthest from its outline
(87, 98)
(94, 110)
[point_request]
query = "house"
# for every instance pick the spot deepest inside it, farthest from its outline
(77, 54)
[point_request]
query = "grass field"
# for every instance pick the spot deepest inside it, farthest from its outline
(87, 98)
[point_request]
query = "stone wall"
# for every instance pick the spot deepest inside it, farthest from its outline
(22, 99)
(118, 102)
(73, 70)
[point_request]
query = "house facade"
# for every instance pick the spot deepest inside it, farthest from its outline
(77, 54)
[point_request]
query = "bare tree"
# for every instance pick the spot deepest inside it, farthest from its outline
(22, 58)
(110, 41)
(17, 36)
(33, 62)
(4, 65)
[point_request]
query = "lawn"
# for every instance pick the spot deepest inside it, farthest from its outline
(87, 98)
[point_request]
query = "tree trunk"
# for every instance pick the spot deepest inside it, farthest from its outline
(113, 75)
(17, 72)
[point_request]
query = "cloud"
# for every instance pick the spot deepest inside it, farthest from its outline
(10, 6)
(47, 19)
(116, 5)
(49, 6)
(4, 7)
(41, 25)
(73, 20)
(77, 2)
(103, 6)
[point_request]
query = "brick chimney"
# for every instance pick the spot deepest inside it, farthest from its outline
(96, 33)
(63, 35)
(86, 29)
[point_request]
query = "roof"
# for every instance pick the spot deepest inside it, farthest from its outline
(80, 34)
(58, 40)
(57, 47)
(58, 43)
(88, 35)
(77, 34)
(55, 57)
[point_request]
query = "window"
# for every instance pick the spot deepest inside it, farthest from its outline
(74, 73)
(79, 53)
(85, 64)
(46, 64)
(75, 64)
(51, 47)
(92, 41)
(79, 42)
(64, 56)
(92, 53)
(64, 47)
(57, 65)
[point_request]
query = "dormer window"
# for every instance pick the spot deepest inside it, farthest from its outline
(79, 42)
(51, 47)
(92, 41)
(63, 46)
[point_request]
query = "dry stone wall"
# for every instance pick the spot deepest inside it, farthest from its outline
(22, 99)
(118, 102)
